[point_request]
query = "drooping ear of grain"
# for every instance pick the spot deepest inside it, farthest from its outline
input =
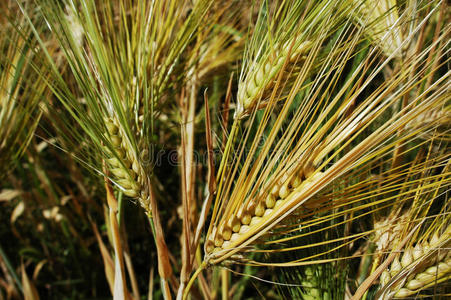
(124, 164)
(434, 269)
(255, 213)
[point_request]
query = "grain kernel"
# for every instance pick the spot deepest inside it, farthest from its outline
(424, 277)
(270, 201)
(112, 129)
(135, 166)
(268, 211)
(246, 219)
(119, 172)
(434, 240)
(219, 241)
(244, 229)
(131, 193)
(407, 258)
(116, 140)
(236, 224)
(126, 184)
(209, 246)
(260, 209)
(234, 237)
(296, 182)
(114, 161)
(275, 190)
(417, 252)
(395, 267)
(260, 76)
(278, 203)
(284, 191)
(431, 270)
(443, 267)
(385, 277)
(226, 234)
(255, 220)
(403, 293)
(414, 284)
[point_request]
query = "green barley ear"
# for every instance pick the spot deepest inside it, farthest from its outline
(263, 73)
(124, 164)
(312, 281)
(284, 43)
(382, 24)
(122, 58)
(315, 284)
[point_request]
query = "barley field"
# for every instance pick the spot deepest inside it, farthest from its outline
(228, 149)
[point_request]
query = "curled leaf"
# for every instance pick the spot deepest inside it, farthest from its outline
(18, 211)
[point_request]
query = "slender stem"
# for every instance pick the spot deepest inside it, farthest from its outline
(192, 279)
(225, 284)
(152, 226)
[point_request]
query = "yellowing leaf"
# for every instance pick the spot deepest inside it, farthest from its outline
(29, 290)
(38, 268)
(8, 195)
(18, 211)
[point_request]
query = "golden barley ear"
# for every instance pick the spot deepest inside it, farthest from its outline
(419, 267)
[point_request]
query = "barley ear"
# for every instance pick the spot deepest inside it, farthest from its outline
(429, 263)
(382, 24)
(264, 72)
(124, 164)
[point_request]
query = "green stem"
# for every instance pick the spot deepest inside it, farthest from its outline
(192, 279)
(152, 226)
